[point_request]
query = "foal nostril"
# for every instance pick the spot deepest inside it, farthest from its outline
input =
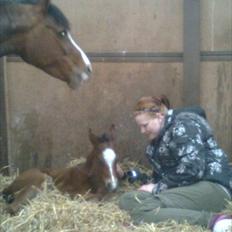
(111, 187)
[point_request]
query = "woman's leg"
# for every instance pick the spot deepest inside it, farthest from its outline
(136, 199)
(193, 204)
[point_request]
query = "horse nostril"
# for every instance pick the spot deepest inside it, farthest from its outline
(89, 69)
(112, 187)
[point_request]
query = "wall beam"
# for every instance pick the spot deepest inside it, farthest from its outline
(4, 169)
(149, 57)
(191, 52)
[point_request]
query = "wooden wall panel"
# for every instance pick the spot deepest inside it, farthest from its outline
(216, 95)
(49, 122)
(216, 25)
(132, 25)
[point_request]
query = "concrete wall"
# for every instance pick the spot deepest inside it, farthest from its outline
(48, 122)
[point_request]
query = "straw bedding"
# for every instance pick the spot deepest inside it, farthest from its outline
(54, 212)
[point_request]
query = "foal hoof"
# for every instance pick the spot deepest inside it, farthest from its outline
(8, 198)
(10, 210)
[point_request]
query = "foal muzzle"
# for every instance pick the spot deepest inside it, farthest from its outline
(112, 186)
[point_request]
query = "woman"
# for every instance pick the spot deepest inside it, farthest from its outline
(192, 180)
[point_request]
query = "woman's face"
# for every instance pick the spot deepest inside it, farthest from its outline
(150, 126)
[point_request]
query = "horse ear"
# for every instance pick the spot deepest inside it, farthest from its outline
(44, 4)
(92, 137)
(112, 132)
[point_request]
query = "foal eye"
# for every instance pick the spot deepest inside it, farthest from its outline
(62, 33)
(101, 162)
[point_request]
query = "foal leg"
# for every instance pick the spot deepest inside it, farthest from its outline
(27, 193)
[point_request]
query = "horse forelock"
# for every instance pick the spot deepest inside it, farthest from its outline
(53, 11)
(56, 14)
(104, 138)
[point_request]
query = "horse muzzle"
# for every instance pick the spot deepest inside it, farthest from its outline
(112, 186)
(85, 75)
(77, 78)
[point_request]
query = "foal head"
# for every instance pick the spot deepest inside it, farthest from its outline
(40, 33)
(102, 161)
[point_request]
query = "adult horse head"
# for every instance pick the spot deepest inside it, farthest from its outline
(39, 33)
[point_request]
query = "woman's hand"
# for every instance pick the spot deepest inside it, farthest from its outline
(147, 187)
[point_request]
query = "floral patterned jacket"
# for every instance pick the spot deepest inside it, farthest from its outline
(186, 152)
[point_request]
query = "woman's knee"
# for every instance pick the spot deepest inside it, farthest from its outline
(131, 200)
(125, 200)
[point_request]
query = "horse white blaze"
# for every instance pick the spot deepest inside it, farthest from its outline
(83, 55)
(109, 157)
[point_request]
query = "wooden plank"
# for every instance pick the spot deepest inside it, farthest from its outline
(191, 50)
(150, 57)
(3, 121)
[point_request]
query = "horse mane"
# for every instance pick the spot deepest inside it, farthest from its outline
(18, 1)
(53, 11)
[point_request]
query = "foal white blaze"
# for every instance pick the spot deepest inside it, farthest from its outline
(87, 63)
(110, 157)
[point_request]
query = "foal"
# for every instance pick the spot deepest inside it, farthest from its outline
(99, 175)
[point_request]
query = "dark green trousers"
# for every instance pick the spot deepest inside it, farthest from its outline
(195, 204)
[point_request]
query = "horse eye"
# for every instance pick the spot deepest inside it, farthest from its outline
(63, 33)
(100, 162)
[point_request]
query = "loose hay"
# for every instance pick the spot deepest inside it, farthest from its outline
(54, 212)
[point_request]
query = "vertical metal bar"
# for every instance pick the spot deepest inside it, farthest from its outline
(3, 121)
(191, 56)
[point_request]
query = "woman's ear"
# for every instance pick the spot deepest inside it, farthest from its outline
(160, 116)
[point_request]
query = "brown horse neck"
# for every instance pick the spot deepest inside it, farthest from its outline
(89, 159)
(16, 20)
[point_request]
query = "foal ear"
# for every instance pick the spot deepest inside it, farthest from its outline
(112, 132)
(92, 137)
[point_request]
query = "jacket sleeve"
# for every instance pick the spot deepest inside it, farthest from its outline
(187, 148)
